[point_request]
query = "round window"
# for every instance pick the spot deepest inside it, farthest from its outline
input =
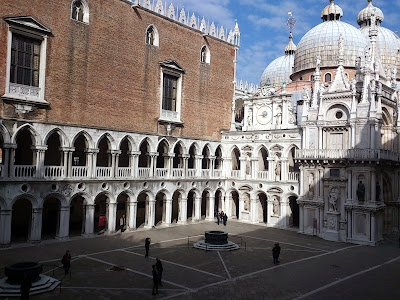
(339, 114)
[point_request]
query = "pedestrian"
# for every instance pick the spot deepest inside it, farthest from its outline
(225, 218)
(155, 280)
(147, 247)
(66, 261)
(26, 285)
(222, 216)
(122, 222)
(275, 253)
(218, 217)
(159, 270)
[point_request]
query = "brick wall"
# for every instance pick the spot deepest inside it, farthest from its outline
(104, 75)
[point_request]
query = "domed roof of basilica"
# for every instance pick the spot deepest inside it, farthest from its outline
(364, 16)
(322, 40)
(279, 70)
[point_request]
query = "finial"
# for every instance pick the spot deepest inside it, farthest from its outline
(291, 21)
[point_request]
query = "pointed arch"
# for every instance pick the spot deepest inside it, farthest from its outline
(109, 138)
(205, 56)
(36, 137)
(152, 36)
(80, 11)
(63, 137)
(88, 139)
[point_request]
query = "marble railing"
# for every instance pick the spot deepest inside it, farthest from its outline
(24, 171)
(51, 172)
(355, 154)
(293, 176)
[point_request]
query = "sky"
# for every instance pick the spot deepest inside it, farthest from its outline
(262, 24)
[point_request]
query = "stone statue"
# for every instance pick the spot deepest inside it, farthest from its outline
(292, 118)
(279, 115)
(311, 185)
(246, 202)
(360, 191)
(250, 118)
(318, 65)
(306, 93)
(333, 197)
(275, 205)
(278, 169)
(248, 166)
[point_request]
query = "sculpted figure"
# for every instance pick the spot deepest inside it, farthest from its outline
(275, 206)
(333, 197)
(360, 191)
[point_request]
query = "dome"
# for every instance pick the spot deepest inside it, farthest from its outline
(331, 12)
(278, 71)
(323, 40)
(364, 16)
(388, 45)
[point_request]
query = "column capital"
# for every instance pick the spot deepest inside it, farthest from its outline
(153, 154)
(113, 152)
(92, 150)
(199, 156)
(67, 149)
(10, 146)
(37, 210)
(39, 147)
(135, 153)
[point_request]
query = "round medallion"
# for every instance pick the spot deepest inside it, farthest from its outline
(264, 115)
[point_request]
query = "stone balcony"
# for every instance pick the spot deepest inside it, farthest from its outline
(346, 154)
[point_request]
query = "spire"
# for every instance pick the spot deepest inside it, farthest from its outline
(236, 34)
(364, 16)
(291, 47)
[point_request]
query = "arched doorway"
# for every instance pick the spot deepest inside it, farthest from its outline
(100, 214)
(218, 206)
(122, 211)
(53, 158)
(160, 209)
(205, 199)
(21, 220)
(141, 214)
(77, 216)
(294, 213)
(50, 218)
(262, 208)
(176, 198)
(190, 205)
(234, 205)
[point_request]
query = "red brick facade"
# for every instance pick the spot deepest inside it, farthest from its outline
(103, 74)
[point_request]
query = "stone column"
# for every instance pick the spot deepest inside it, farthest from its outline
(211, 206)
(153, 157)
(373, 226)
(151, 214)
(242, 162)
(8, 149)
(301, 218)
(182, 211)
(253, 210)
(40, 150)
(271, 169)
(134, 163)
(349, 186)
(301, 181)
(373, 186)
(284, 169)
(12, 148)
(253, 166)
(89, 219)
(111, 222)
(5, 226)
(212, 166)
(63, 231)
(68, 151)
(185, 158)
(197, 166)
(91, 162)
(132, 215)
(227, 167)
(114, 162)
(321, 184)
(197, 207)
(36, 225)
(168, 211)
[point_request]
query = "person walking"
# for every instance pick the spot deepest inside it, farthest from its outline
(26, 285)
(225, 219)
(155, 280)
(147, 247)
(122, 222)
(275, 253)
(218, 217)
(66, 261)
(160, 269)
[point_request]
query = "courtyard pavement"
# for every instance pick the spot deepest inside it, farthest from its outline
(310, 268)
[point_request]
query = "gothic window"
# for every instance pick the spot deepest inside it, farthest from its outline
(152, 36)
(328, 77)
(80, 11)
(205, 55)
(26, 62)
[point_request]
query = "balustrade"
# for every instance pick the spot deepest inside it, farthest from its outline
(177, 173)
(79, 172)
(355, 154)
(144, 172)
(191, 173)
(161, 172)
(21, 171)
(293, 176)
(217, 173)
(103, 172)
(235, 173)
(52, 172)
(205, 173)
(124, 172)
(262, 175)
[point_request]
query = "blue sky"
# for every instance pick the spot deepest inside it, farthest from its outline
(262, 24)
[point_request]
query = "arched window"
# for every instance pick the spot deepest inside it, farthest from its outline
(328, 77)
(80, 11)
(152, 36)
(205, 55)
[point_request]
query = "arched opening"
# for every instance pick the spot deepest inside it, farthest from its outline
(122, 212)
(152, 36)
(218, 202)
(160, 209)
(205, 199)
(177, 161)
(100, 214)
(262, 164)
(103, 162)
(21, 220)
(234, 205)
(50, 218)
(123, 158)
(262, 208)
(24, 155)
(218, 158)
(190, 205)
(235, 160)
(77, 11)
(328, 77)
(162, 159)
(53, 158)
(192, 161)
(293, 166)
(79, 157)
(205, 162)
(294, 213)
(176, 198)
(142, 207)
(77, 216)
(205, 55)
(144, 160)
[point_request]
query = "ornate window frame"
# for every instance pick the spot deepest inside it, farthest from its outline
(155, 39)
(25, 97)
(205, 56)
